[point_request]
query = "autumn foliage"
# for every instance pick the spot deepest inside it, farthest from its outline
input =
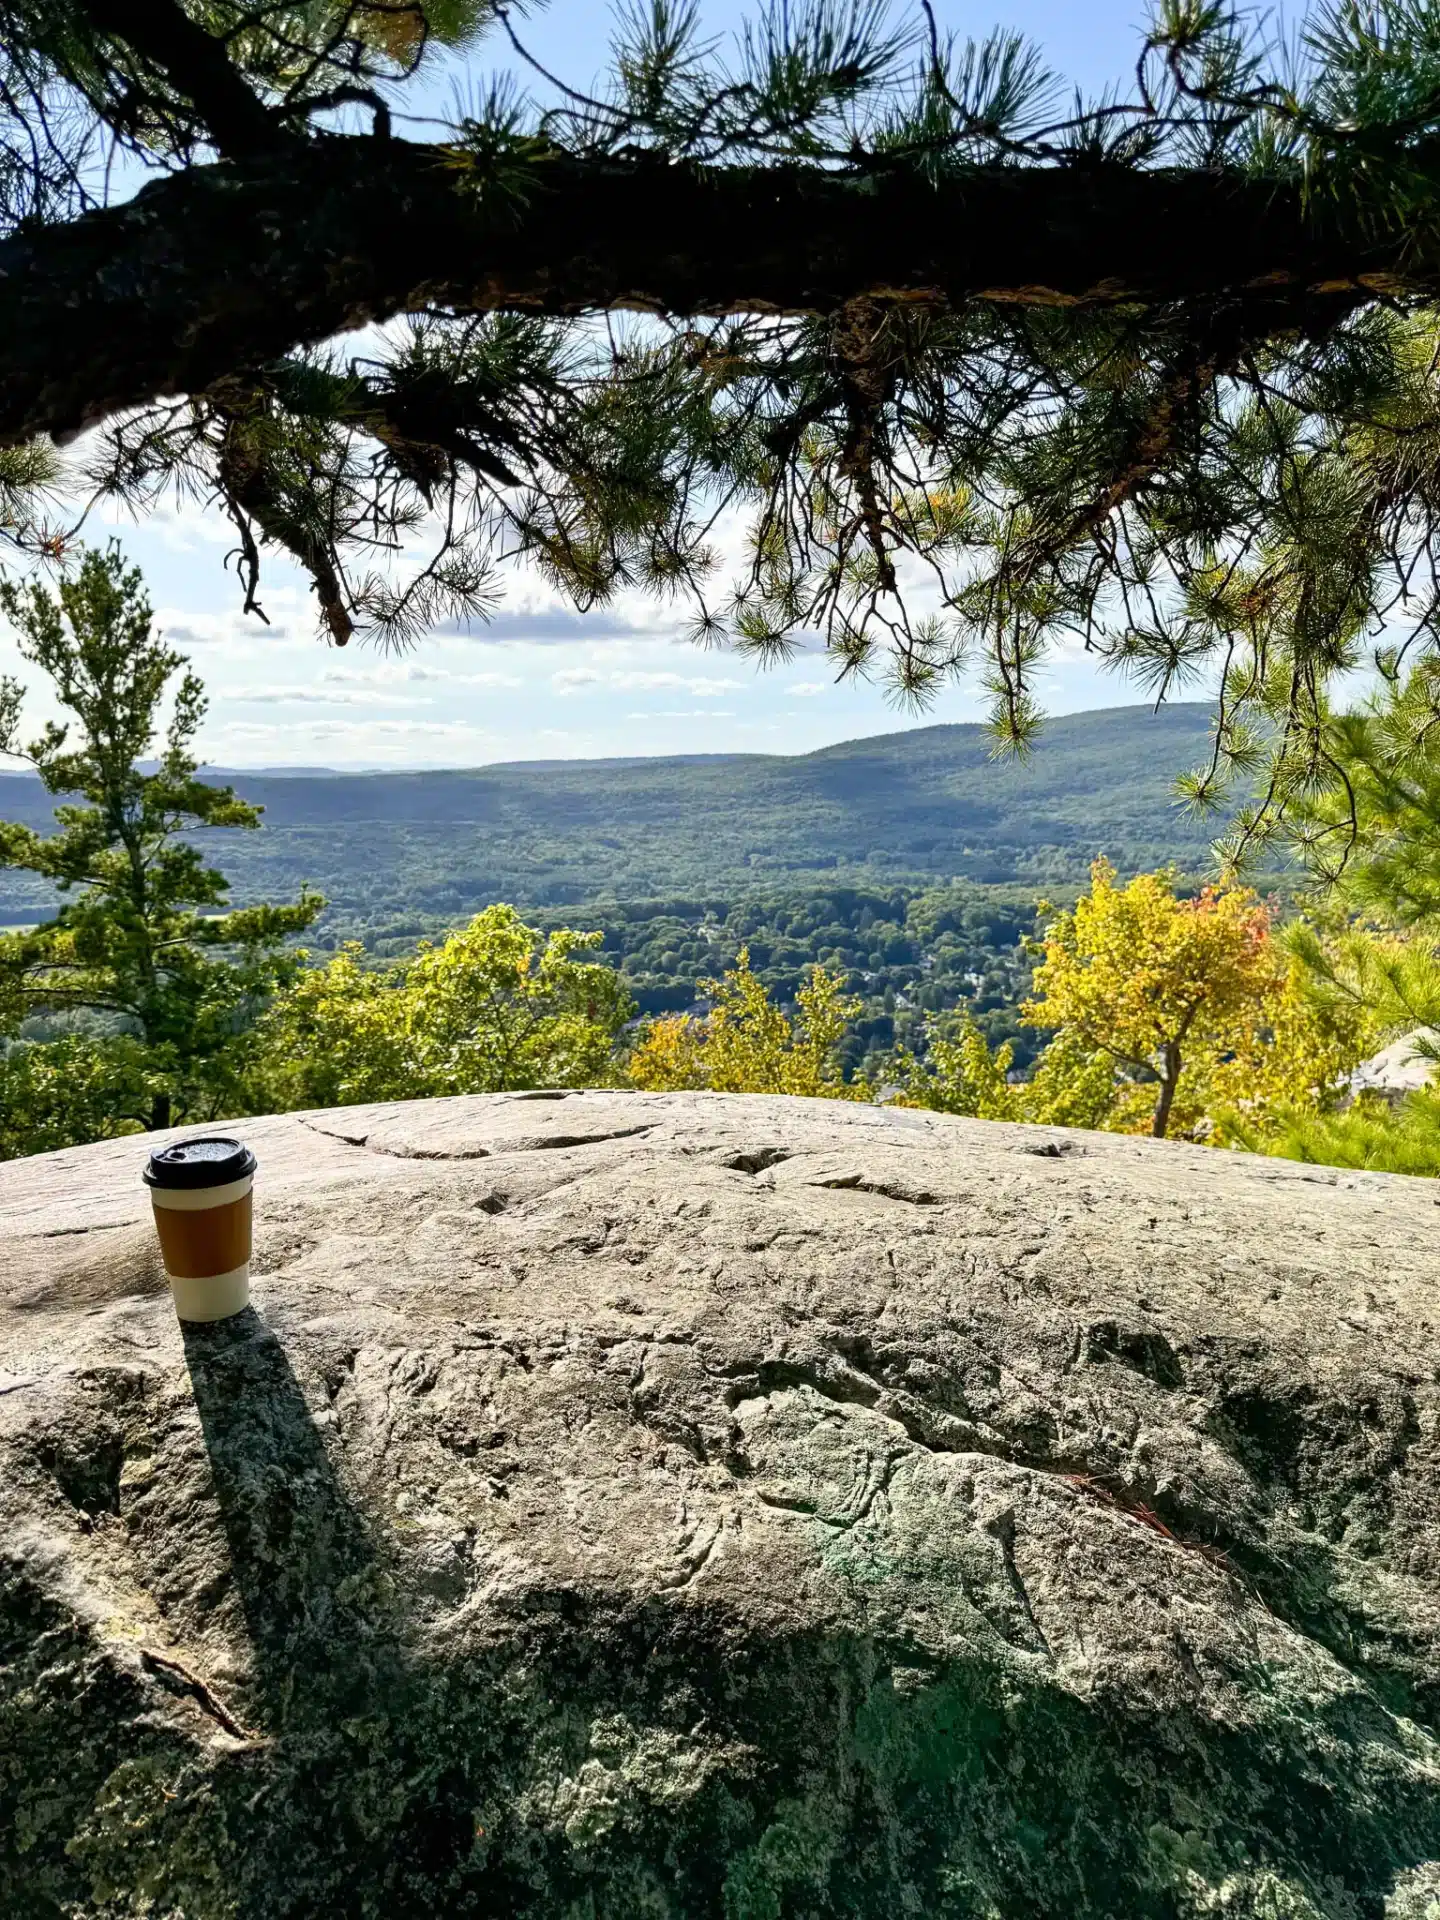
(1170, 1015)
(746, 1044)
(496, 1006)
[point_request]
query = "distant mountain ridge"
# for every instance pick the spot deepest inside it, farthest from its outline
(928, 803)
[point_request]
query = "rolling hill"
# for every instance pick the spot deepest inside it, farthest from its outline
(924, 804)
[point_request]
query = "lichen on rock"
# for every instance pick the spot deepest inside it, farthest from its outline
(763, 1509)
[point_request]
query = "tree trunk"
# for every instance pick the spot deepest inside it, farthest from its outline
(1169, 1080)
(218, 269)
(159, 1113)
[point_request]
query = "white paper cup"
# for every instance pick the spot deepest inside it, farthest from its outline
(201, 1194)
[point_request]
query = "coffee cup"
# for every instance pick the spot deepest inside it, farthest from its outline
(200, 1191)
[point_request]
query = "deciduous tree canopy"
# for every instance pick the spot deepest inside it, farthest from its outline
(976, 366)
(497, 1006)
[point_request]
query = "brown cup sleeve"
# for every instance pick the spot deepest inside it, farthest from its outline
(195, 1244)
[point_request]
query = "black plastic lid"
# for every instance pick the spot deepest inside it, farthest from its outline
(212, 1162)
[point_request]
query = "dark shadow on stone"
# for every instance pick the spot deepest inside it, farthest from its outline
(306, 1571)
(361, 1791)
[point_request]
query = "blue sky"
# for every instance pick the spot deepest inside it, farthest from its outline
(542, 682)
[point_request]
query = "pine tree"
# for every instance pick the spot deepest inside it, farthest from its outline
(1371, 837)
(143, 941)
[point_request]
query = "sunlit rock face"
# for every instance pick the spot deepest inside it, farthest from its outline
(624, 1508)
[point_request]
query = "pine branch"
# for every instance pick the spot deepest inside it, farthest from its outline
(225, 268)
(196, 63)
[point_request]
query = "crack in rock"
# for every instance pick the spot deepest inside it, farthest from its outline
(754, 1159)
(400, 1152)
(534, 1143)
(526, 1143)
(886, 1189)
(96, 1226)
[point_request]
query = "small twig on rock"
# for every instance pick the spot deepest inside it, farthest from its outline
(168, 1670)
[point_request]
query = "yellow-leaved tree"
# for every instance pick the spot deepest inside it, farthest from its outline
(1194, 1000)
(746, 1044)
(1169, 1015)
(496, 1006)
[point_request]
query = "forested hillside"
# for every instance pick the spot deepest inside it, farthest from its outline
(401, 854)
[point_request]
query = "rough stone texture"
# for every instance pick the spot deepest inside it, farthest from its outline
(682, 1506)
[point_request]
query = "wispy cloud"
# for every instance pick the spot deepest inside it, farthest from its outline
(701, 686)
(698, 686)
(392, 673)
(219, 629)
(685, 713)
(322, 697)
(360, 732)
(491, 680)
(552, 624)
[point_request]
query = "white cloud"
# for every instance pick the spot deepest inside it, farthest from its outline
(360, 733)
(572, 679)
(698, 686)
(473, 679)
(701, 686)
(318, 696)
(686, 713)
(388, 673)
(185, 528)
(807, 687)
(393, 673)
(230, 628)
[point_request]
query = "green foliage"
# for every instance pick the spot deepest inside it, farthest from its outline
(1404, 1138)
(1371, 952)
(1179, 481)
(1356, 969)
(1371, 833)
(289, 54)
(498, 1006)
(960, 1074)
(903, 954)
(65, 1092)
(143, 934)
(408, 854)
(31, 478)
(1073, 1084)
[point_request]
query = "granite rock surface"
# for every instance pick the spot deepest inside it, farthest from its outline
(623, 1507)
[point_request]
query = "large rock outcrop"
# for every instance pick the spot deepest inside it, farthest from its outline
(619, 1508)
